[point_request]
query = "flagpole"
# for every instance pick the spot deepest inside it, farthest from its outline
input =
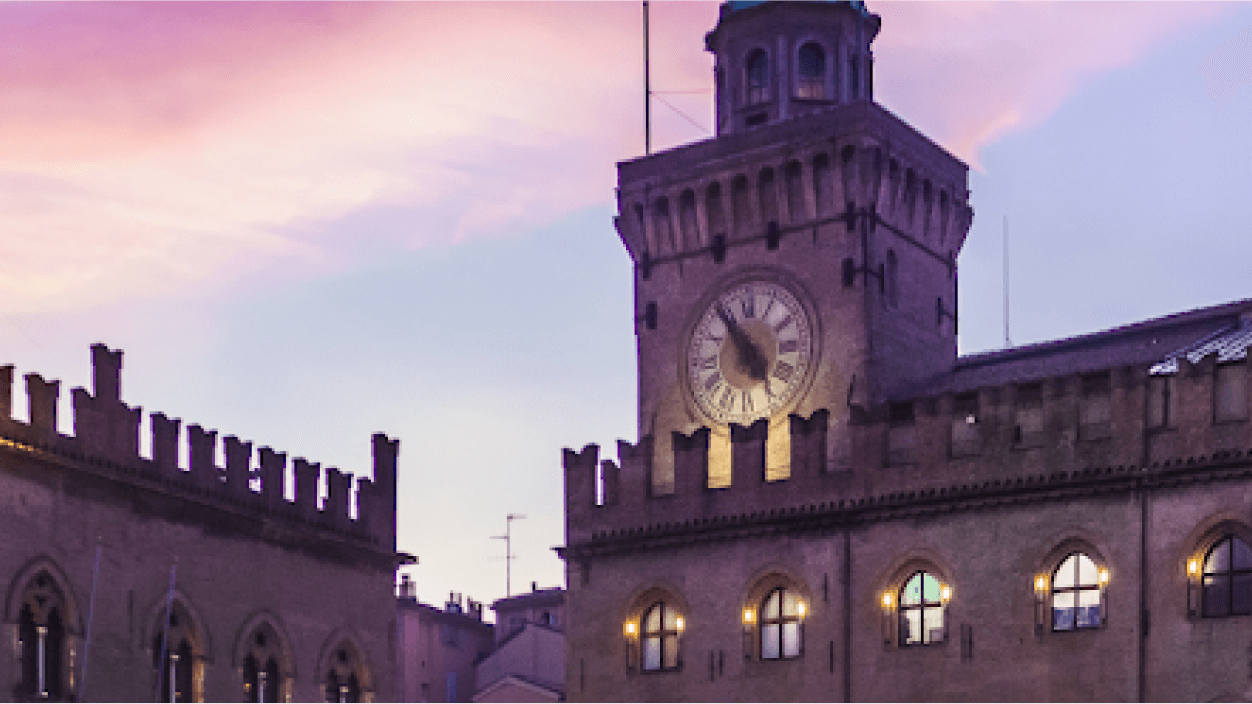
(647, 87)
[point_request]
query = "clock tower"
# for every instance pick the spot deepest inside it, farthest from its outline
(803, 259)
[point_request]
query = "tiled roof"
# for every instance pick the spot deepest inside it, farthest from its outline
(1225, 328)
(1230, 345)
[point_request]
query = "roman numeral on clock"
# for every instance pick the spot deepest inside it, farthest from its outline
(714, 379)
(783, 371)
(782, 324)
(788, 346)
(748, 304)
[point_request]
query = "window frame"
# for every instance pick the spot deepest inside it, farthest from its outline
(1228, 575)
(661, 635)
(756, 92)
(922, 607)
(1078, 587)
(781, 622)
(811, 87)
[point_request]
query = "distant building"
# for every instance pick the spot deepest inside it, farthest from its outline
(439, 647)
(825, 501)
(132, 578)
(528, 663)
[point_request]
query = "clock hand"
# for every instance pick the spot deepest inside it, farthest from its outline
(750, 356)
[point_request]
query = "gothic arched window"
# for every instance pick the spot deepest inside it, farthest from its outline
(262, 675)
(811, 72)
(176, 656)
(782, 613)
(1076, 588)
(343, 684)
(662, 625)
(757, 77)
(921, 610)
(1227, 579)
(41, 632)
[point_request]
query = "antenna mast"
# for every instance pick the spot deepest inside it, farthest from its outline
(647, 87)
(508, 551)
(1007, 342)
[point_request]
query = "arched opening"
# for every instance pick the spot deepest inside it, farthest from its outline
(714, 210)
(811, 72)
(42, 639)
(757, 70)
(176, 656)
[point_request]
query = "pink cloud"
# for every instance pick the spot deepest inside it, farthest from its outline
(153, 148)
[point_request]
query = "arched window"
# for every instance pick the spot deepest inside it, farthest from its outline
(662, 626)
(41, 632)
(1227, 579)
(811, 72)
(1076, 587)
(758, 77)
(176, 656)
(262, 675)
(921, 610)
(343, 684)
(782, 614)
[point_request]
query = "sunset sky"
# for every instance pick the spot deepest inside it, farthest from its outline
(305, 223)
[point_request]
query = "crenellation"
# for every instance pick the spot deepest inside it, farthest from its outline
(165, 442)
(6, 394)
(386, 451)
(42, 403)
(273, 478)
(808, 445)
(307, 475)
(238, 466)
(201, 461)
(747, 453)
(338, 497)
(691, 462)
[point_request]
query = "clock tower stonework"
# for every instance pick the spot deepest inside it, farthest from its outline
(801, 262)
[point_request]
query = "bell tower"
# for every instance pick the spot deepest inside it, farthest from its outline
(803, 259)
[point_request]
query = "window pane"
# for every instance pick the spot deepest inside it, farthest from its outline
(1241, 555)
(1063, 611)
(791, 640)
(933, 623)
(911, 624)
(789, 604)
(1086, 571)
(812, 61)
(652, 653)
(770, 610)
(931, 588)
(652, 622)
(1241, 594)
(769, 642)
(671, 619)
(671, 652)
(1216, 596)
(1065, 574)
(1219, 558)
(1089, 608)
(911, 595)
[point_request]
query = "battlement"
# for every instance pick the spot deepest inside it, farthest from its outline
(1137, 415)
(813, 170)
(105, 443)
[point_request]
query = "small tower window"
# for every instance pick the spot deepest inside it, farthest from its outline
(758, 77)
(811, 78)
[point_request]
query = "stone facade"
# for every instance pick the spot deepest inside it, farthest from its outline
(274, 597)
(439, 648)
(1067, 520)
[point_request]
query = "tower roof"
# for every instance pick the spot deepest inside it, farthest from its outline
(732, 6)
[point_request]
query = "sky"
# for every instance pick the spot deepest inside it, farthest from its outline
(306, 223)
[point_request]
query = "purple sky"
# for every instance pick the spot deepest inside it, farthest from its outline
(308, 222)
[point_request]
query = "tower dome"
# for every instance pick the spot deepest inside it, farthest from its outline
(778, 60)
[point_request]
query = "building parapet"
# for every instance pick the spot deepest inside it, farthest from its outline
(1071, 425)
(105, 442)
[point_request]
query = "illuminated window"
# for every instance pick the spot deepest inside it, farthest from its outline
(782, 613)
(1076, 587)
(758, 77)
(662, 626)
(921, 610)
(811, 76)
(1227, 579)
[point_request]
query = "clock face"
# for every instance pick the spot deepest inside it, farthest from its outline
(749, 353)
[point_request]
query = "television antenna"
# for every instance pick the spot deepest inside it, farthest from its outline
(508, 550)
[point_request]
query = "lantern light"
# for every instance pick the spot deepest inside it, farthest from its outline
(749, 617)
